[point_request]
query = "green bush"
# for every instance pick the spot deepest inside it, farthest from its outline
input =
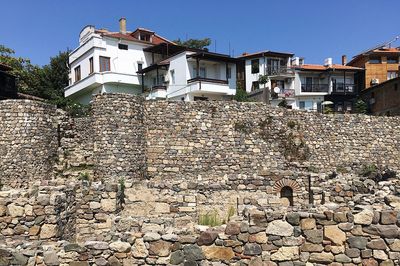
(210, 219)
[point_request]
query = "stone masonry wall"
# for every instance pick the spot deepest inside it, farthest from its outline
(130, 184)
(28, 141)
(208, 139)
(38, 227)
(119, 138)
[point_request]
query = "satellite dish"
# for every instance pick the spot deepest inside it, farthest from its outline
(277, 90)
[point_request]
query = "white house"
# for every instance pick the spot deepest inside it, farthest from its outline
(275, 65)
(314, 84)
(190, 74)
(107, 62)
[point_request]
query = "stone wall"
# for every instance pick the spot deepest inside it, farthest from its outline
(82, 223)
(28, 141)
(205, 139)
(119, 136)
(131, 183)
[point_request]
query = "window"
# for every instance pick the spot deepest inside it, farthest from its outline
(202, 73)
(375, 60)
(198, 98)
(172, 76)
(122, 46)
(144, 37)
(228, 73)
(255, 86)
(77, 73)
(91, 70)
(306, 105)
(255, 66)
(139, 66)
(392, 74)
(104, 64)
(392, 60)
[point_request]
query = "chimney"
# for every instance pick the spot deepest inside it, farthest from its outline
(122, 25)
(344, 59)
(328, 62)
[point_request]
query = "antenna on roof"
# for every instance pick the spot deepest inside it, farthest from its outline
(229, 48)
(386, 44)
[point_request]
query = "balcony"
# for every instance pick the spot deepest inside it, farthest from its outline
(315, 88)
(218, 81)
(341, 88)
(282, 71)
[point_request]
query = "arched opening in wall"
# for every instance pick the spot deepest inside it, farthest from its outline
(287, 193)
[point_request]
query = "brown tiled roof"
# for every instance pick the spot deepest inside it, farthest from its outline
(244, 55)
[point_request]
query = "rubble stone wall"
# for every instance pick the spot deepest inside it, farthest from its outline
(28, 141)
(83, 223)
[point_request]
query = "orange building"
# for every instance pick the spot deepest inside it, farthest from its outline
(380, 64)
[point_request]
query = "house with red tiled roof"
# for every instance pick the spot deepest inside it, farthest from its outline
(108, 62)
(328, 84)
(296, 84)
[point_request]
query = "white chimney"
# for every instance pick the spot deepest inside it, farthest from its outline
(122, 25)
(297, 61)
(328, 62)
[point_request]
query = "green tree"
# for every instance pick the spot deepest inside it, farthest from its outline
(241, 94)
(55, 78)
(361, 107)
(195, 43)
(46, 82)
(28, 75)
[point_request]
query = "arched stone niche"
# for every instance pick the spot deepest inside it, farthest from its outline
(287, 190)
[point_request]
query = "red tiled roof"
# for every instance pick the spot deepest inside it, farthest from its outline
(129, 36)
(322, 67)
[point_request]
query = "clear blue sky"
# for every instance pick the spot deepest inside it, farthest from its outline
(315, 29)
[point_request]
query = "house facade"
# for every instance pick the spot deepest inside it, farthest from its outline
(107, 62)
(275, 65)
(384, 98)
(380, 64)
(331, 83)
(189, 75)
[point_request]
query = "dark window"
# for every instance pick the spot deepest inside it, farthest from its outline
(144, 37)
(104, 64)
(198, 98)
(375, 60)
(255, 86)
(91, 70)
(123, 46)
(255, 66)
(392, 60)
(77, 73)
(140, 66)
(287, 192)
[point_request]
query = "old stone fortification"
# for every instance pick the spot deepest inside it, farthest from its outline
(131, 183)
